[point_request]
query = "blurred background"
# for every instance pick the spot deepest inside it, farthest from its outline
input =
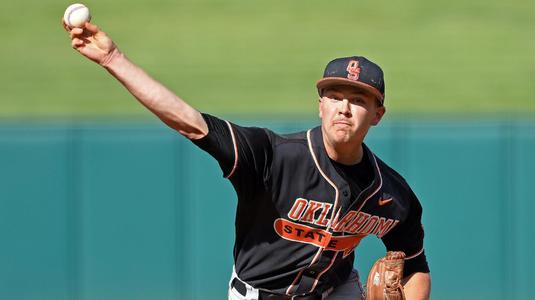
(99, 200)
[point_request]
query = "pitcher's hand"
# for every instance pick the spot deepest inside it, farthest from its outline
(93, 43)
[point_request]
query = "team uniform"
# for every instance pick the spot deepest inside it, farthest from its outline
(300, 214)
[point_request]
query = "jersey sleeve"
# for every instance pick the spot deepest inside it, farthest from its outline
(409, 238)
(243, 153)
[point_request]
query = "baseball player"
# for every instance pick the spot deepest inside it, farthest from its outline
(305, 200)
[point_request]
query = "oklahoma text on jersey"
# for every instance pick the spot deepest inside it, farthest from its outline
(356, 224)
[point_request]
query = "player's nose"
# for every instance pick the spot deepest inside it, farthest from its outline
(345, 107)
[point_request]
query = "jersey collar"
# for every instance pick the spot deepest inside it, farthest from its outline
(320, 153)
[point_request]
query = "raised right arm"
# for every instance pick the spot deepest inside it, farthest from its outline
(177, 114)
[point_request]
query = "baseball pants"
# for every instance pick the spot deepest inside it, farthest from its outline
(349, 290)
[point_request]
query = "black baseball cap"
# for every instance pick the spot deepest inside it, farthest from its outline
(355, 71)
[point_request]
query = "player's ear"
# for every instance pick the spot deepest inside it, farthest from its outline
(379, 113)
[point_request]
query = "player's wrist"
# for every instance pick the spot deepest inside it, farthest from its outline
(112, 58)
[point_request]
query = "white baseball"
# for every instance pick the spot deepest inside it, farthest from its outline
(76, 15)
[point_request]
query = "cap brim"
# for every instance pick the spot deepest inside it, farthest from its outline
(333, 81)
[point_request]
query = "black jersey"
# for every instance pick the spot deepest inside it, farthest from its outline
(298, 220)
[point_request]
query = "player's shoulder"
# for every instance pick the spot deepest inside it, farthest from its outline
(289, 145)
(294, 137)
(297, 139)
(286, 144)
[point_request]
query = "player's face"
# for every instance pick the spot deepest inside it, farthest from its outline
(347, 113)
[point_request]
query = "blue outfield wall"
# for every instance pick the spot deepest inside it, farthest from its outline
(135, 211)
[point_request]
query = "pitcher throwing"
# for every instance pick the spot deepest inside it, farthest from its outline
(305, 200)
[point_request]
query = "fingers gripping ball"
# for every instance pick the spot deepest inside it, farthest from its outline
(76, 15)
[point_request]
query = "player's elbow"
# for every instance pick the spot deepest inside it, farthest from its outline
(191, 125)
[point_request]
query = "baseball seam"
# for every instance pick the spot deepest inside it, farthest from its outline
(71, 12)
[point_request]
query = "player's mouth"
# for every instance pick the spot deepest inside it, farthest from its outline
(342, 123)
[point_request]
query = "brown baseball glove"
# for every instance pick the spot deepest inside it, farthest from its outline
(384, 280)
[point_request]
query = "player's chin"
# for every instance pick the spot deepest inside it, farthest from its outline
(342, 135)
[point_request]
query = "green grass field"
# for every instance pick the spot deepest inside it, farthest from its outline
(253, 57)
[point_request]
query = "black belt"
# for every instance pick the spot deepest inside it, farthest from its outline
(239, 286)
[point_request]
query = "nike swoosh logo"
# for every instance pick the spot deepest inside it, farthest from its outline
(383, 201)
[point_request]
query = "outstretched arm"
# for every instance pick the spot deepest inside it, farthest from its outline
(94, 44)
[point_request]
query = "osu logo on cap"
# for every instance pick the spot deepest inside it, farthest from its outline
(353, 70)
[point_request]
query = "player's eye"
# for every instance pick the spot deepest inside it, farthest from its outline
(334, 97)
(358, 100)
